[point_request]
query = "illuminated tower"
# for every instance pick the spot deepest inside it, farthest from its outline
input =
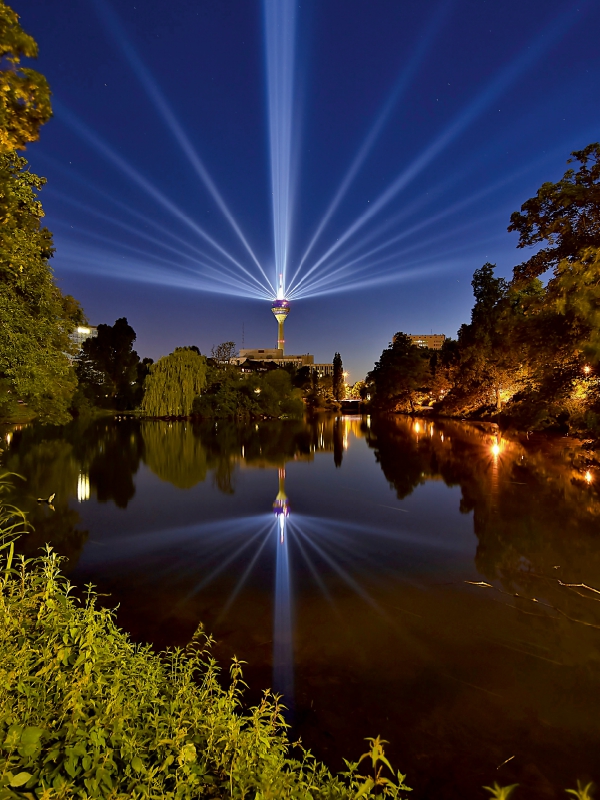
(281, 506)
(280, 309)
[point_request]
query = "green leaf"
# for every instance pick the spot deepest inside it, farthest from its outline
(137, 764)
(20, 779)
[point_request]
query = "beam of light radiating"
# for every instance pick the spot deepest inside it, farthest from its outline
(93, 139)
(423, 46)
(342, 573)
(73, 174)
(280, 45)
(394, 276)
(283, 649)
(221, 275)
(102, 262)
(311, 288)
(239, 585)
(313, 571)
(157, 97)
(119, 223)
(246, 543)
(507, 76)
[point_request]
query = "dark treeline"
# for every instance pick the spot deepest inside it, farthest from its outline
(530, 354)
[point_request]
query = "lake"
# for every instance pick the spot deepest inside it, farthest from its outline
(431, 581)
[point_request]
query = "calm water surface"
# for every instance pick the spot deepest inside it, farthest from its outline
(341, 559)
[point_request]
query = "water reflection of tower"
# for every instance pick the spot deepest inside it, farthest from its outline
(281, 506)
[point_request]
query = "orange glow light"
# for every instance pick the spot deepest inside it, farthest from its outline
(495, 449)
(589, 477)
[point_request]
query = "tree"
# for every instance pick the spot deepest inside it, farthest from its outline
(24, 93)
(107, 366)
(173, 384)
(565, 216)
(224, 352)
(36, 320)
(338, 378)
(401, 371)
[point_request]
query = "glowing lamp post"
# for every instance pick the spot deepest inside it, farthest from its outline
(280, 309)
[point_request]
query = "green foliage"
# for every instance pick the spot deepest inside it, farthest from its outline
(563, 216)
(86, 713)
(582, 792)
(501, 792)
(173, 383)
(224, 352)
(24, 93)
(231, 393)
(109, 369)
(36, 320)
(402, 370)
(338, 387)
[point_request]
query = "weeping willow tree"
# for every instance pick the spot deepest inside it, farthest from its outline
(173, 383)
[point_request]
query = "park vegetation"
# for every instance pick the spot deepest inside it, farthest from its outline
(530, 355)
(35, 317)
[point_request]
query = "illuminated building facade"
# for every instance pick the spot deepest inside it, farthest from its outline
(82, 333)
(430, 341)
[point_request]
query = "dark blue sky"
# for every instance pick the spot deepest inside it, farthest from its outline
(490, 98)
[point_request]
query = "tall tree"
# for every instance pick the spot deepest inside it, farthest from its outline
(564, 216)
(173, 383)
(107, 366)
(338, 378)
(401, 371)
(224, 352)
(36, 320)
(24, 93)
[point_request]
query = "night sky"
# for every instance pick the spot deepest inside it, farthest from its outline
(462, 109)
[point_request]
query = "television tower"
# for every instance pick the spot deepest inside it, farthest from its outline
(280, 308)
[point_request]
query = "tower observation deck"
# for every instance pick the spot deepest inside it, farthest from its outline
(280, 309)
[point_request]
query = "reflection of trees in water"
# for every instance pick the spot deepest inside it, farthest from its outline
(113, 453)
(532, 509)
(49, 466)
(183, 453)
(174, 452)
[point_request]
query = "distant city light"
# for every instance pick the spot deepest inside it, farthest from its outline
(587, 369)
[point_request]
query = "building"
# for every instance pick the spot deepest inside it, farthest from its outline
(82, 333)
(431, 341)
(276, 356)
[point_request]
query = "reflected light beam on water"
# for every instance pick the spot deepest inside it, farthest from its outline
(283, 650)
(340, 571)
(245, 575)
(280, 45)
(156, 96)
(495, 88)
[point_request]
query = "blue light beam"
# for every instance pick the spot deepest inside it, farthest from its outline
(283, 648)
(98, 144)
(504, 78)
(424, 44)
(280, 44)
(158, 99)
